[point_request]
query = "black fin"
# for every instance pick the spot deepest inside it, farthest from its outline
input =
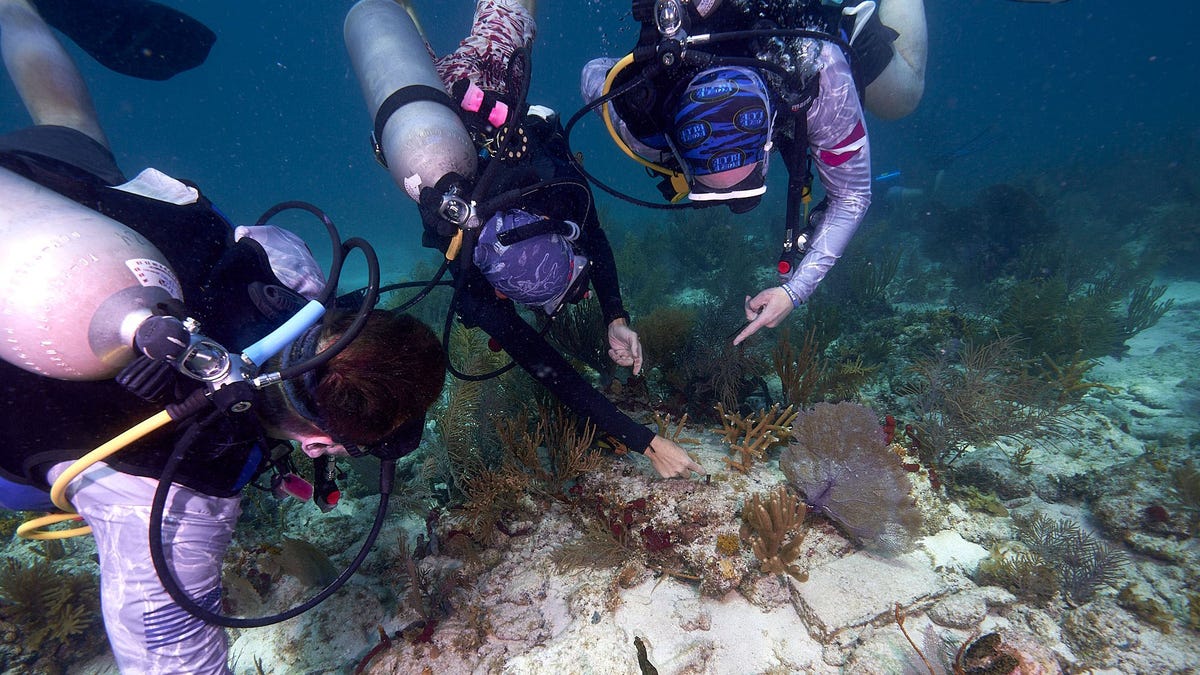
(134, 37)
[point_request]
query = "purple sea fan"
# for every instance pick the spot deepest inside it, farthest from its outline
(840, 462)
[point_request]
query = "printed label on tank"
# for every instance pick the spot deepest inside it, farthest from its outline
(154, 273)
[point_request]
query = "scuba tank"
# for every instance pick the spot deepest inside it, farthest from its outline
(418, 134)
(74, 284)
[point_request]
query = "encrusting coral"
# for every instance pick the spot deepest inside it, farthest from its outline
(840, 461)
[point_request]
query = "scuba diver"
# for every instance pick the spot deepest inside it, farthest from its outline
(712, 87)
(498, 194)
(94, 274)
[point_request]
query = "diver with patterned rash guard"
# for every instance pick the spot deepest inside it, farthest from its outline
(65, 196)
(713, 117)
(542, 252)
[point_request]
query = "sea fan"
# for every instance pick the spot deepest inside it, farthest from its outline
(840, 462)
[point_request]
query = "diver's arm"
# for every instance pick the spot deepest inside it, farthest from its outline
(837, 140)
(479, 306)
(604, 275)
(841, 152)
(625, 348)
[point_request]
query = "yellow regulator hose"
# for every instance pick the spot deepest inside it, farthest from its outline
(606, 115)
(58, 492)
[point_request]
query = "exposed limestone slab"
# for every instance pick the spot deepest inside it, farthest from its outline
(864, 588)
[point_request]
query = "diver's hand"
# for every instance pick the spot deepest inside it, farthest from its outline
(768, 309)
(624, 347)
(670, 460)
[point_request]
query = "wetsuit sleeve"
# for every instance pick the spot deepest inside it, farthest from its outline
(290, 258)
(604, 274)
(479, 306)
(837, 137)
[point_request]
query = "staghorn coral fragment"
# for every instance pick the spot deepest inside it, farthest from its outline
(664, 424)
(750, 437)
(774, 529)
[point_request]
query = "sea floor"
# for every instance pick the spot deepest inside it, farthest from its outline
(517, 607)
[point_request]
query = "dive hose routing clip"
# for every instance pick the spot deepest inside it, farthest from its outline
(458, 211)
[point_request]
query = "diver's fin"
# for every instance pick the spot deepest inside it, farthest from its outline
(140, 38)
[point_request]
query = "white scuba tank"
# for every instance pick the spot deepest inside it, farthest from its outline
(423, 140)
(74, 284)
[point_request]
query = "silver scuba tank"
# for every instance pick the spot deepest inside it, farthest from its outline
(74, 284)
(423, 140)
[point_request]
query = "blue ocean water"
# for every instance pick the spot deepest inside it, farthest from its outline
(1015, 91)
(276, 114)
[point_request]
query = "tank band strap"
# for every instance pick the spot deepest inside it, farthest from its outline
(539, 228)
(400, 98)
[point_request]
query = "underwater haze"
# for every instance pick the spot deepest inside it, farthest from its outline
(974, 449)
(276, 114)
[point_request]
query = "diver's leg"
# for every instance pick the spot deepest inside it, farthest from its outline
(46, 78)
(499, 29)
(147, 631)
(898, 89)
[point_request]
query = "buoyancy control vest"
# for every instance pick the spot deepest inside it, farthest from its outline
(536, 158)
(228, 286)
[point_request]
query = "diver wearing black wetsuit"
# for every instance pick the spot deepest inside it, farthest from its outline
(479, 306)
(484, 58)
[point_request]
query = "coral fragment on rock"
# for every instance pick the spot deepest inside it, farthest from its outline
(750, 437)
(774, 528)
